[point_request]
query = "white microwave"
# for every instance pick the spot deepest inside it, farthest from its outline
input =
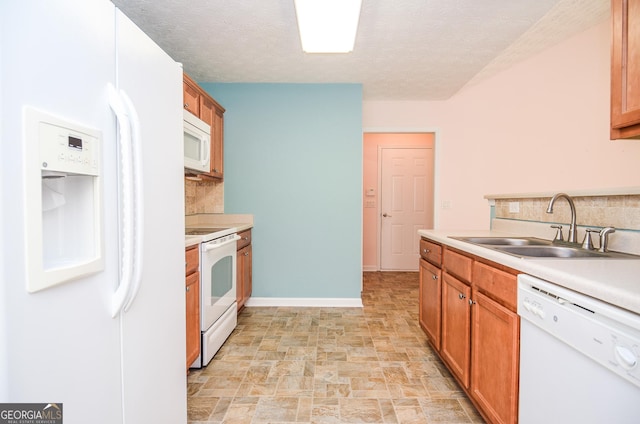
(197, 143)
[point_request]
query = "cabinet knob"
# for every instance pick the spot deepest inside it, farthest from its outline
(186, 105)
(188, 288)
(427, 251)
(461, 296)
(435, 277)
(472, 302)
(246, 253)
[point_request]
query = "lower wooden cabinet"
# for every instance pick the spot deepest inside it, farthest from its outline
(456, 327)
(192, 300)
(244, 269)
(430, 301)
(467, 309)
(495, 359)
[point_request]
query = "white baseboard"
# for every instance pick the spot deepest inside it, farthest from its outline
(369, 268)
(305, 302)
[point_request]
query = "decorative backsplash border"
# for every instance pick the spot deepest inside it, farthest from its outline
(203, 197)
(620, 211)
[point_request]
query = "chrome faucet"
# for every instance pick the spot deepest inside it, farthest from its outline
(604, 238)
(572, 228)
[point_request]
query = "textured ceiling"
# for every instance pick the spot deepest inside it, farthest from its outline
(405, 49)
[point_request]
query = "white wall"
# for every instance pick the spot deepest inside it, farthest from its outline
(542, 125)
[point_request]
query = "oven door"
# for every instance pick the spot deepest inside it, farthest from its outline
(217, 279)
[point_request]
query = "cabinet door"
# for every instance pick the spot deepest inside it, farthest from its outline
(240, 279)
(625, 69)
(207, 114)
(217, 143)
(430, 301)
(456, 327)
(495, 359)
(191, 97)
(193, 316)
(247, 273)
(207, 110)
(243, 276)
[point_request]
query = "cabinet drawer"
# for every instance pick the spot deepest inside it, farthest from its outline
(192, 259)
(431, 252)
(495, 283)
(245, 239)
(458, 265)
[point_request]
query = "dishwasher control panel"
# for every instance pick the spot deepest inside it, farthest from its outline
(605, 333)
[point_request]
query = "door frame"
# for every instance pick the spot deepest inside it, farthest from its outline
(436, 173)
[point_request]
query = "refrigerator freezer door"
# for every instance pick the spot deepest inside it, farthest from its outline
(153, 327)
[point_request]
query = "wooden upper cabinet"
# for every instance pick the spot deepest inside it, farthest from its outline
(191, 96)
(625, 69)
(202, 105)
(207, 111)
(217, 143)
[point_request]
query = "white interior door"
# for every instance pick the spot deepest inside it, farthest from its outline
(406, 205)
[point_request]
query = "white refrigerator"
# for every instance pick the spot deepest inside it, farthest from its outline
(66, 343)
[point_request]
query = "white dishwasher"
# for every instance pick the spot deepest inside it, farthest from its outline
(578, 357)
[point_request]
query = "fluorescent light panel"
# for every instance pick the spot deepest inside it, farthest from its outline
(328, 26)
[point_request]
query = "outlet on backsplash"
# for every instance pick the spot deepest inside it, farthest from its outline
(203, 197)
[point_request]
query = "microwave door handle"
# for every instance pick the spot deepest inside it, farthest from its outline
(138, 200)
(206, 150)
(212, 246)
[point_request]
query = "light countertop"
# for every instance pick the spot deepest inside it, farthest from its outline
(615, 281)
(239, 222)
(192, 241)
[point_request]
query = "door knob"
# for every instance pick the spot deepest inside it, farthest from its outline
(386, 215)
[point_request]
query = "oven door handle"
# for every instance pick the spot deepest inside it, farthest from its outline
(211, 246)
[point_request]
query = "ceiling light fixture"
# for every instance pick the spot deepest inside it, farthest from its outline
(328, 26)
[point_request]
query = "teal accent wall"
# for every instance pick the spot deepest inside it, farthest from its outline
(293, 159)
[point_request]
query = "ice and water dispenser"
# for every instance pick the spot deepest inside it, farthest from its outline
(63, 200)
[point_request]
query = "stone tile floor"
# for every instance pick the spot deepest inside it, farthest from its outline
(331, 365)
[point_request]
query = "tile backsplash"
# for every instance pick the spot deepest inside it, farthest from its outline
(203, 197)
(620, 211)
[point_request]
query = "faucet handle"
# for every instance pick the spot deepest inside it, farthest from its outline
(587, 243)
(604, 238)
(559, 236)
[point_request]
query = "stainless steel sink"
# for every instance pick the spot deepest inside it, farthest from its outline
(551, 252)
(532, 247)
(505, 241)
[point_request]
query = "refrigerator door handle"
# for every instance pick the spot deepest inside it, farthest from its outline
(138, 199)
(125, 194)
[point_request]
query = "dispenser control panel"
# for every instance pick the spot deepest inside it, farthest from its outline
(65, 150)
